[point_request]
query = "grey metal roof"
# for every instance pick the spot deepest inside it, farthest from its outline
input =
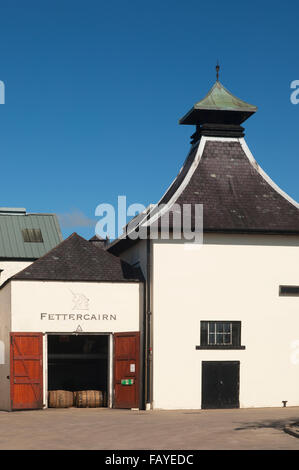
(12, 245)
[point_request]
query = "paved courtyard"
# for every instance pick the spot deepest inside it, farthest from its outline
(102, 428)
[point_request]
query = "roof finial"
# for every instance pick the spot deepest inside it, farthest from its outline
(217, 71)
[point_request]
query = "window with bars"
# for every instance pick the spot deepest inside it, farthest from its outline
(220, 335)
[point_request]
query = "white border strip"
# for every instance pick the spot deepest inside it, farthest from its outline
(182, 186)
(264, 174)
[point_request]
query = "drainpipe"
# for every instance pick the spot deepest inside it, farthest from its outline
(148, 328)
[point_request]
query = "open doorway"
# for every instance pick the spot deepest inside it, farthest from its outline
(78, 362)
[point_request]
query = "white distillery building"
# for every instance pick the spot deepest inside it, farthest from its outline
(162, 323)
(222, 321)
(72, 320)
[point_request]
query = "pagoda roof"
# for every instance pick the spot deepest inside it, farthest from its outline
(221, 100)
(236, 194)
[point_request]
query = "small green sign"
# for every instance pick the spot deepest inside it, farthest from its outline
(127, 381)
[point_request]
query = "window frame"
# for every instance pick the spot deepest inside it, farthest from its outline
(235, 335)
(288, 291)
(32, 235)
(215, 333)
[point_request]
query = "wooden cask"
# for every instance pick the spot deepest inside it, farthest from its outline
(90, 399)
(60, 399)
(75, 397)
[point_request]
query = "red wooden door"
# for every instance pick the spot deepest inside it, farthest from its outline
(26, 371)
(126, 370)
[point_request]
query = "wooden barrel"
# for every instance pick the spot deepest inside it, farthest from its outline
(90, 399)
(75, 397)
(60, 399)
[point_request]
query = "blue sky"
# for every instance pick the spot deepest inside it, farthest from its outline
(94, 91)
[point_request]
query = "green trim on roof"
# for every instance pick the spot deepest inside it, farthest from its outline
(219, 98)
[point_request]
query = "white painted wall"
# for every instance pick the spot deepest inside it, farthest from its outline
(5, 347)
(231, 277)
(31, 299)
(23, 302)
(10, 268)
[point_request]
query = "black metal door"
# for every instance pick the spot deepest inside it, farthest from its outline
(220, 384)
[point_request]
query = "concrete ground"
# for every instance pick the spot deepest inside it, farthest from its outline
(101, 428)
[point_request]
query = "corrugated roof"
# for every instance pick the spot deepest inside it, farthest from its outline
(12, 245)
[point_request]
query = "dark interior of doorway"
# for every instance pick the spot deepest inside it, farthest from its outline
(78, 362)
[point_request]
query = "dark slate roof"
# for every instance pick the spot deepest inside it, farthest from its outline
(98, 241)
(96, 238)
(234, 193)
(236, 196)
(76, 259)
(12, 244)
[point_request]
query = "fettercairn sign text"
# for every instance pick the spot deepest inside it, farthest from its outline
(77, 316)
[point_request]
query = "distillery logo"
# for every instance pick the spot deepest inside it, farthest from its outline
(2, 92)
(80, 301)
(295, 94)
(165, 221)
